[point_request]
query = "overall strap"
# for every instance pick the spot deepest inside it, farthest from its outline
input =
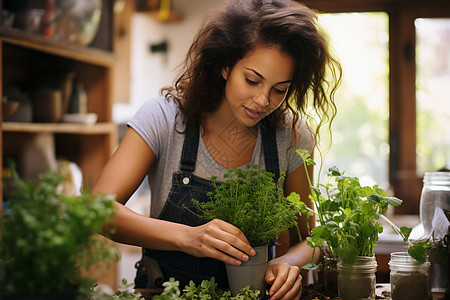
(190, 148)
(269, 144)
(270, 150)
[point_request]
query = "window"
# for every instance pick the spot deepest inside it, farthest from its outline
(360, 131)
(432, 93)
(418, 124)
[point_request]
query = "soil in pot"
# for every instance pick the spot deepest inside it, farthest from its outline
(414, 286)
(357, 281)
(330, 274)
(356, 288)
(409, 278)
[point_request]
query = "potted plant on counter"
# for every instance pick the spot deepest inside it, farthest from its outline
(251, 200)
(48, 238)
(348, 228)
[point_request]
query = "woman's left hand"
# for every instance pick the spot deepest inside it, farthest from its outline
(285, 281)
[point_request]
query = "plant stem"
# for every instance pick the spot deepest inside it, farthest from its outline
(396, 229)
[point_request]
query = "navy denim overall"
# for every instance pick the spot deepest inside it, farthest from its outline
(179, 208)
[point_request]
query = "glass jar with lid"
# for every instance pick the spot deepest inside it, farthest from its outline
(410, 279)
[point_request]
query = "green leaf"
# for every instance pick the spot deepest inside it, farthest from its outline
(334, 171)
(374, 198)
(319, 234)
(293, 198)
(417, 251)
(406, 231)
(349, 254)
(394, 201)
(311, 266)
(304, 154)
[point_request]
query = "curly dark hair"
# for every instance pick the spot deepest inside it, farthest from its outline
(236, 29)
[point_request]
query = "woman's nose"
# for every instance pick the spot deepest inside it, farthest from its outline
(262, 98)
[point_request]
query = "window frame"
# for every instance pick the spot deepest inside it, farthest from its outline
(403, 178)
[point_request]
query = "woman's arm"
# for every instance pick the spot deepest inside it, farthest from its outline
(123, 174)
(297, 182)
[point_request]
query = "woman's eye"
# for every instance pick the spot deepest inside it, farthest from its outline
(280, 91)
(251, 82)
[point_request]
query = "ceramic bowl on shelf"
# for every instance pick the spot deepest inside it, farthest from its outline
(9, 108)
(89, 118)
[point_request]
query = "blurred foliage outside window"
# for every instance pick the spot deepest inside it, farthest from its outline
(359, 145)
(432, 94)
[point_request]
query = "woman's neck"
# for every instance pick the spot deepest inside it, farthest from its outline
(230, 143)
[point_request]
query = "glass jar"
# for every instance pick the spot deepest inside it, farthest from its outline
(435, 194)
(357, 281)
(410, 279)
(330, 274)
(434, 200)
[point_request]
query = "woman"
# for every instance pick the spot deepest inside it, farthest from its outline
(251, 74)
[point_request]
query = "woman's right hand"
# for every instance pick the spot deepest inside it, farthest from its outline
(219, 240)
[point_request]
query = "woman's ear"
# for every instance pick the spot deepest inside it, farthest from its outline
(225, 73)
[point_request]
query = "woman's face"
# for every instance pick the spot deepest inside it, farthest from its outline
(258, 84)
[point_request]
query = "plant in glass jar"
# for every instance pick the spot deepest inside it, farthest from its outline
(252, 201)
(48, 239)
(348, 226)
(409, 278)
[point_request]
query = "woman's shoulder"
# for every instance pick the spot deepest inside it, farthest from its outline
(301, 138)
(160, 105)
(157, 111)
(155, 121)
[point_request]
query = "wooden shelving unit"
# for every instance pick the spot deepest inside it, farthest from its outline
(28, 58)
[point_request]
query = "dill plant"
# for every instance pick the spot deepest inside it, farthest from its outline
(251, 200)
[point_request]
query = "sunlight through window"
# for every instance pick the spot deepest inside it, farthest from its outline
(360, 144)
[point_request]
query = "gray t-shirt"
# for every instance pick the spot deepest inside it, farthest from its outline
(156, 122)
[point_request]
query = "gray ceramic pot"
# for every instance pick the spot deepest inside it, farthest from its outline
(251, 272)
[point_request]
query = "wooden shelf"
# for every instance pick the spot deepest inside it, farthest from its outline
(70, 128)
(32, 61)
(44, 44)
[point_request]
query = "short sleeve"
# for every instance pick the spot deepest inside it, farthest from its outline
(153, 121)
(304, 141)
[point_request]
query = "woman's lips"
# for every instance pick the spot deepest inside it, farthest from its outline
(252, 113)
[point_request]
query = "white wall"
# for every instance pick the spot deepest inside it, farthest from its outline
(151, 71)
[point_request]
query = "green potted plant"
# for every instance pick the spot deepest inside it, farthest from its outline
(348, 228)
(207, 289)
(48, 238)
(251, 200)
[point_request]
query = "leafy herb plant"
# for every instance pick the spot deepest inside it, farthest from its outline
(252, 201)
(348, 216)
(206, 290)
(48, 238)
(124, 292)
